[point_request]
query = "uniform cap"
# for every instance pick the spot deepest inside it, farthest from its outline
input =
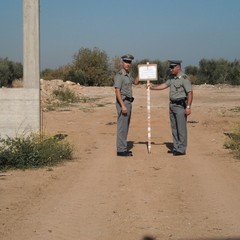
(127, 57)
(173, 63)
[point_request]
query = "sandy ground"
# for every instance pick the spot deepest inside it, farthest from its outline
(99, 196)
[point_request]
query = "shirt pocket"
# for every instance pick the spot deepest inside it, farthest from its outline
(127, 85)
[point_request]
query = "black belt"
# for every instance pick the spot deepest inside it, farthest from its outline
(130, 99)
(181, 102)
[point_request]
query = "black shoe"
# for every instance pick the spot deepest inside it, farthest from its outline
(170, 151)
(175, 153)
(124, 154)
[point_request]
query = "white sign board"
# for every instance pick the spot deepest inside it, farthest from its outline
(147, 72)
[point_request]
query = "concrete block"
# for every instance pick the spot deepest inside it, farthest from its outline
(19, 111)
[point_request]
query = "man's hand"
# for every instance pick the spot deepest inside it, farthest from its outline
(188, 111)
(124, 110)
(149, 85)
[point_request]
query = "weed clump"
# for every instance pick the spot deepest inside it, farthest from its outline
(66, 95)
(33, 151)
(233, 141)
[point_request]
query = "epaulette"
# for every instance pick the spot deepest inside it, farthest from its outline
(184, 76)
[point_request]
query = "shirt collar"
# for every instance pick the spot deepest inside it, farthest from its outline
(179, 75)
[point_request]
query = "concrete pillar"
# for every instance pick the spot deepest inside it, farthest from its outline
(31, 46)
(20, 108)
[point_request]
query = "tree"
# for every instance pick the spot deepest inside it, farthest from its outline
(91, 66)
(58, 73)
(191, 70)
(9, 71)
(218, 72)
(234, 73)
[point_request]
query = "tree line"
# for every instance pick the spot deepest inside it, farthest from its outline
(91, 67)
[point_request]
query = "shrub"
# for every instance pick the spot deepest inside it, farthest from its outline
(9, 71)
(233, 142)
(33, 151)
(66, 95)
(91, 66)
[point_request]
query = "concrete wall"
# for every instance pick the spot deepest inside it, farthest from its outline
(19, 111)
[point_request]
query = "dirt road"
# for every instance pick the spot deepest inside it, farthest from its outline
(99, 196)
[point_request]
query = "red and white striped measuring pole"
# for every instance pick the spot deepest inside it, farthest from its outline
(149, 116)
(148, 72)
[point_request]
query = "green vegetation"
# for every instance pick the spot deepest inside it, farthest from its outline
(33, 151)
(215, 72)
(91, 67)
(66, 95)
(235, 109)
(62, 98)
(9, 71)
(233, 141)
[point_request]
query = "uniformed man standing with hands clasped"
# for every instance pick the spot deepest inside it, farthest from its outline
(123, 89)
(181, 96)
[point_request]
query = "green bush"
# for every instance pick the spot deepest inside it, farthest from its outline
(92, 66)
(33, 151)
(9, 71)
(233, 142)
(66, 95)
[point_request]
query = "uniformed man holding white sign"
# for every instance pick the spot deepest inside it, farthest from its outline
(181, 96)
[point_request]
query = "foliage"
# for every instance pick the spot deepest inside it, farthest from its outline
(66, 95)
(58, 73)
(115, 65)
(33, 151)
(9, 71)
(216, 72)
(234, 72)
(233, 142)
(191, 70)
(90, 67)
(64, 98)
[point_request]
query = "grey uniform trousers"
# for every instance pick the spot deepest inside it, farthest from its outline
(123, 123)
(178, 121)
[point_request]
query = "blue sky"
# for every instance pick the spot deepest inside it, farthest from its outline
(155, 29)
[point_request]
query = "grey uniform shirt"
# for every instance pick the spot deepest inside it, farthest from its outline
(179, 86)
(124, 81)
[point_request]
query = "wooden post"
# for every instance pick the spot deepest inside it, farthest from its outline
(148, 72)
(149, 115)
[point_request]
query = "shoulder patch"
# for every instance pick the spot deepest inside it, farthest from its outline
(184, 76)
